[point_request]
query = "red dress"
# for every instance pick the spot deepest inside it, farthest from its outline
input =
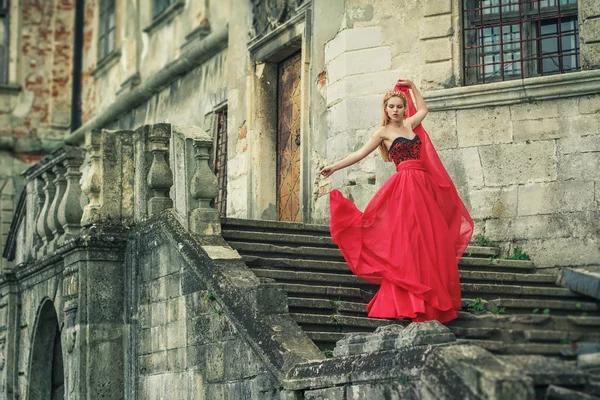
(409, 238)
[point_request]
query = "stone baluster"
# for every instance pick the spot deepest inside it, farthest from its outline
(91, 178)
(160, 176)
(69, 209)
(46, 221)
(204, 220)
(60, 184)
(39, 224)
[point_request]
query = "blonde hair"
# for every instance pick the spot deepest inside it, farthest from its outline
(383, 151)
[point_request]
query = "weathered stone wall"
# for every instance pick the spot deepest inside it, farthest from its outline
(523, 154)
(187, 347)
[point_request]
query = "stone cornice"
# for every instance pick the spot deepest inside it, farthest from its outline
(515, 92)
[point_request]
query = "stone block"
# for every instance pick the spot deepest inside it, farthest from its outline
(176, 359)
(351, 114)
(237, 206)
(436, 50)
(540, 129)
(441, 126)
(589, 9)
(175, 310)
(436, 27)
(240, 361)
(584, 125)
(158, 290)
(554, 197)
(172, 285)
(176, 334)
(144, 342)
(154, 363)
(353, 39)
(158, 338)
(158, 313)
(590, 54)
(582, 166)
(530, 227)
(589, 104)
(506, 164)
(402, 389)
(334, 393)
(430, 8)
(359, 62)
(361, 85)
(579, 144)
(500, 202)
(547, 253)
(215, 364)
(591, 360)
(438, 75)
(483, 126)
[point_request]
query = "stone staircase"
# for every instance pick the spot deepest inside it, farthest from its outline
(508, 307)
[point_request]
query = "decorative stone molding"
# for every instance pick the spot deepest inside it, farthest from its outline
(515, 92)
(269, 14)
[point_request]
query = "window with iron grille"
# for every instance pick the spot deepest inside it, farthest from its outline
(514, 39)
(106, 29)
(4, 13)
(221, 162)
(161, 5)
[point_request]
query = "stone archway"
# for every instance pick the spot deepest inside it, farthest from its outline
(46, 371)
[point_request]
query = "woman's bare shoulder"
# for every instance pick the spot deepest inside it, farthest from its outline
(380, 132)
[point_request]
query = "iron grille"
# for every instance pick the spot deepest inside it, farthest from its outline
(515, 39)
(221, 163)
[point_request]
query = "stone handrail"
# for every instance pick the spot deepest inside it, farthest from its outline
(117, 178)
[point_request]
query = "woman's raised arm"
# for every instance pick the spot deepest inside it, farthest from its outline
(422, 110)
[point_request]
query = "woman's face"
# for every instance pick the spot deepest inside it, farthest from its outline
(395, 109)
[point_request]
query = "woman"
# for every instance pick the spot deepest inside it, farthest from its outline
(415, 229)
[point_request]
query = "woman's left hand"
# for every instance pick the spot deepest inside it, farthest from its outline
(405, 82)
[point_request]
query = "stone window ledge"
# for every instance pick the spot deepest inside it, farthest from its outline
(167, 15)
(108, 61)
(10, 89)
(514, 92)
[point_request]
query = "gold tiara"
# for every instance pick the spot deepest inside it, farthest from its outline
(393, 93)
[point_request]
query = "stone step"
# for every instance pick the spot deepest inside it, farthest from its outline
(330, 292)
(528, 322)
(480, 289)
(508, 336)
(327, 305)
(573, 306)
(499, 347)
(278, 238)
(229, 224)
(234, 234)
(343, 323)
(483, 266)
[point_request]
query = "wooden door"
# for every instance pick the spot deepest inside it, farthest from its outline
(288, 140)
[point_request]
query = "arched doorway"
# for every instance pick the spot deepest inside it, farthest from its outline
(46, 372)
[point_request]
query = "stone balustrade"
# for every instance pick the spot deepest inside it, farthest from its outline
(118, 178)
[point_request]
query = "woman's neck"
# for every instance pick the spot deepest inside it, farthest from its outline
(397, 124)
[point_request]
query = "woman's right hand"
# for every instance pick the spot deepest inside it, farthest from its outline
(327, 171)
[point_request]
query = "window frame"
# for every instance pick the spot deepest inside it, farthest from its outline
(160, 6)
(5, 58)
(527, 16)
(105, 30)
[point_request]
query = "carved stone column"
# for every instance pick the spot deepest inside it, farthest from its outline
(91, 178)
(47, 220)
(69, 209)
(160, 176)
(60, 184)
(38, 235)
(204, 220)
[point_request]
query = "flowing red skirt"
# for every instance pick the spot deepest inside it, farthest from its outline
(405, 241)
